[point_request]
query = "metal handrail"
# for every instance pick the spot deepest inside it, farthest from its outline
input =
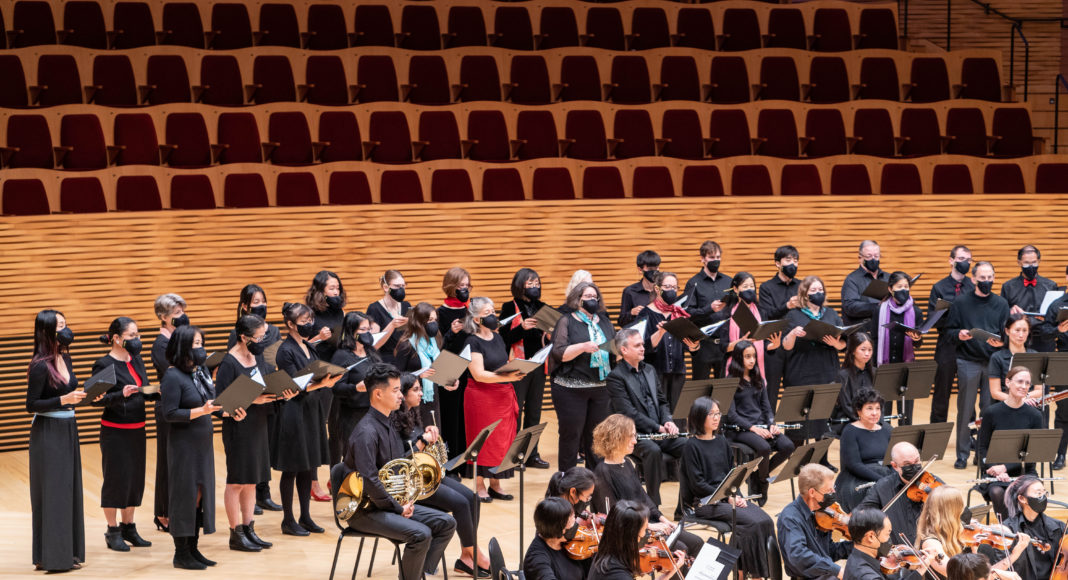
(1017, 29)
(1057, 84)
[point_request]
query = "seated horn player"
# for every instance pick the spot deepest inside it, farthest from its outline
(373, 443)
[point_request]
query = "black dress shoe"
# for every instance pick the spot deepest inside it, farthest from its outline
(267, 504)
(1058, 463)
(250, 532)
(311, 526)
(461, 568)
(257, 511)
(113, 537)
(294, 529)
(240, 542)
(537, 462)
(960, 464)
(501, 496)
(129, 533)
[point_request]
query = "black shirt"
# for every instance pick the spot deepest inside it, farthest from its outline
(705, 463)
(373, 443)
(853, 380)
(703, 290)
(345, 389)
(1035, 564)
(897, 334)
(612, 568)
(667, 357)
(494, 352)
(807, 551)
(42, 393)
(947, 289)
(969, 311)
(999, 366)
(1051, 320)
(860, 447)
(635, 392)
(453, 342)
(855, 306)
(331, 318)
(544, 563)
(773, 296)
(621, 481)
(1029, 299)
(750, 406)
(570, 330)
(159, 356)
(903, 514)
(810, 362)
(1000, 417)
(117, 408)
(532, 339)
(633, 295)
(861, 566)
(378, 313)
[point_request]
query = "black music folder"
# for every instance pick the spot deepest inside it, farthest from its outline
(239, 395)
(99, 384)
(547, 317)
(747, 323)
(320, 369)
(815, 330)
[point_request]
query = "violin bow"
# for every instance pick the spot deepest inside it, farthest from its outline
(906, 487)
(926, 568)
(1008, 553)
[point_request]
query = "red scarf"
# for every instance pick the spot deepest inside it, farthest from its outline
(670, 310)
(454, 303)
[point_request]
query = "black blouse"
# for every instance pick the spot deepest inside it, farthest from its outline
(705, 463)
(1000, 416)
(345, 389)
(159, 356)
(544, 563)
(750, 407)
(811, 362)
(532, 339)
(42, 393)
(379, 314)
(621, 481)
(853, 381)
(999, 367)
(453, 343)
(668, 357)
(291, 359)
(570, 330)
(494, 352)
(332, 318)
(117, 408)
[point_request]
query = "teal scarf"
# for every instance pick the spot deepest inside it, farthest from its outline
(428, 351)
(599, 359)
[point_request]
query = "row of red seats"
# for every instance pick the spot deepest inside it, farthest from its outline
(134, 78)
(198, 136)
(825, 27)
(39, 192)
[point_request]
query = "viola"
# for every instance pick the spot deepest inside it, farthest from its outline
(902, 556)
(832, 518)
(995, 537)
(922, 487)
(656, 556)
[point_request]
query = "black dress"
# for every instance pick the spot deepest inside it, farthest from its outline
(248, 453)
(705, 463)
(861, 453)
(190, 455)
(122, 434)
(811, 362)
(332, 318)
(379, 314)
(55, 472)
(350, 405)
(301, 443)
(452, 402)
(853, 380)
(160, 364)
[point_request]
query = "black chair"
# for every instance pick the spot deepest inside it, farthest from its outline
(498, 569)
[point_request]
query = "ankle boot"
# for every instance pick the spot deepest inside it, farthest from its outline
(183, 558)
(250, 533)
(114, 539)
(129, 533)
(240, 542)
(193, 543)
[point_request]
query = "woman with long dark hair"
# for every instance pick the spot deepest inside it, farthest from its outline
(122, 434)
(857, 373)
(417, 349)
(524, 339)
(327, 299)
(626, 531)
(351, 400)
(55, 456)
(744, 295)
(893, 343)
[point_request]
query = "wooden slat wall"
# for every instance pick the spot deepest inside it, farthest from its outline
(96, 267)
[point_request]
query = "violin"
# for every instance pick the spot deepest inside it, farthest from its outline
(587, 538)
(1060, 565)
(832, 518)
(922, 487)
(902, 557)
(995, 537)
(656, 556)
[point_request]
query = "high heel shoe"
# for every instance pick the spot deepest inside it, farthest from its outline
(159, 525)
(320, 496)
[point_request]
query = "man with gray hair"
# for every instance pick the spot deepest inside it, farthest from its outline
(855, 306)
(634, 391)
(807, 551)
(905, 461)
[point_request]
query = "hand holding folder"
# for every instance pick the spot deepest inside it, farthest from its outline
(449, 366)
(99, 384)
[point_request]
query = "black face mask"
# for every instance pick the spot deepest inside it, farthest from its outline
(963, 266)
(200, 356)
(1037, 503)
(650, 275)
(789, 270)
(569, 533)
(65, 337)
(901, 296)
(828, 500)
(645, 539)
(366, 338)
(884, 548)
(749, 296)
(432, 328)
(817, 298)
(256, 348)
(910, 471)
(396, 294)
(592, 304)
(532, 293)
(669, 296)
(260, 311)
(333, 302)
(871, 265)
(712, 266)
(1029, 272)
(462, 294)
(491, 322)
(985, 286)
(180, 320)
(581, 506)
(132, 346)
(306, 330)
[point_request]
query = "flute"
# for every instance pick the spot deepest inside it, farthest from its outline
(660, 436)
(864, 486)
(781, 426)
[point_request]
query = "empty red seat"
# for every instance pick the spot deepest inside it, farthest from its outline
(529, 80)
(296, 189)
(451, 185)
(325, 78)
(182, 25)
(1003, 178)
(25, 197)
(32, 24)
(850, 179)
(135, 136)
(679, 80)
(681, 131)
(240, 136)
(951, 178)
(1051, 178)
(374, 26)
(878, 29)
(278, 26)
(580, 80)
(702, 181)
(401, 186)
(84, 137)
(633, 133)
(13, 93)
(652, 182)
(349, 188)
(584, 130)
(649, 28)
(966, 132)
(825, 133)
(429, 81)
(604, 28)
(137, 193)
(878, 79)
(630, 81)
(512, 28)
(980, 78)
(273, 80)
(419, 28)
(552, 183)
(750, 180)
(29, 142)
(729, 133)
(929, 80)
(503, 184)
(558, 27)
(600, 182)
(230, 26)
(729, 80)
(83, 25)
(133, 24)
(390, 136)
(58, 80)
(828, 80)
(479, 78)
(220, 79)
(873, 132)
(244, 190)
(438, 129)
(168, 80)
(488, 134)
(1012, 129)
(326, 28)
(831, 30)
(82, 195)
(900, 179)
(694, 29)
(741, 29)
(191, 192)
(920, 133)
(376, 79)
(786, 29)
(778, 133)
(466, 27)
(801, 179)
(339, 132)
(536, 135)
(113, 81)
(188, 133)
(778, 79)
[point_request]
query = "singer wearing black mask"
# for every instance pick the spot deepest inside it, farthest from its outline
(122, 433)
(776, 298)
(894, 345)
(524, 339)
(855, 306)
(870, 530)
(170, 310)
(949, 289)
(351, 400)
(1025, 293)
(326, 297)
(807, 551)
(663, 350)
(390, 313)
(904, 513)
(638, 295)
(1026, 502)
(707, 303)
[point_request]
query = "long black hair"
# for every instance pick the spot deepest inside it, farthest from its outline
(180, 347)
(698, 412)
(350, 333)
(736, 281)
(316, 296)
(620, 537)
(737, 368)
(46, 345)
(852, 344)
(244, 301)
(562, 482)
(116, 328)
(406, 419)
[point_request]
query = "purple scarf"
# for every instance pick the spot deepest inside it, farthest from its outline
(909, 319)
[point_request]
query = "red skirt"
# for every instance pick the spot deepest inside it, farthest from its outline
(484, 403)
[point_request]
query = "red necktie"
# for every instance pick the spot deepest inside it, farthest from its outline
(1031, 283)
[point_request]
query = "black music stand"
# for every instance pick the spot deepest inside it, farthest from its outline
(525, 442)
(810, 453)
(718, 563)
(471, 454)
(930, 440)
(1022, 446)
(905, 381)
(720, 389)
(809, 403)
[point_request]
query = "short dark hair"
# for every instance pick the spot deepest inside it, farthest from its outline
(979, 264)
(1028, 249)
(967, 566)
(700, 409)
(247, 325)
(1016, 317)
(709, 247)
(648, 258)
(379, 376)
(550, 517)
(292, 311)
(519, 282)
(897, 277)
(786, 252)
(866, 396)
(953, 252)
(865, 520)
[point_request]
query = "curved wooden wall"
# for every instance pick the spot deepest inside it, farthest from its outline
(94, 267)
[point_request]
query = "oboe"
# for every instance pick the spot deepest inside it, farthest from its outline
(660, 436)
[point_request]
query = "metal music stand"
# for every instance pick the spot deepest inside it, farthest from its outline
(930, 440)
(808, 403)
(720, 389)
(802, 456)
(905, 381)
(471, 454)
(525, 442)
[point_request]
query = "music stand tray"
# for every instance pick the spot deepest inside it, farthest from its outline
(723, 391)
(810, 453)
(691, 391)
(733, 482)
(813, 402)
(472, 451)
(1023, 446)
(889, 380)
(930, 440)
(920, 379)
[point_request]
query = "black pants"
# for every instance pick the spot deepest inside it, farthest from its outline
(652, 454)
(946, 357)
(452, 497)
(425, 536)
(702, 368)
(530, 393)
(578, 411)
(774, 363)
(780, 443)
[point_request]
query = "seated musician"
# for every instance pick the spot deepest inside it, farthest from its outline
(1026, 503)
(635, 391)
(706, 461)
(752, 417)
(905, 464)
(1012, 413)
(863, 446)
(545, 558)
(975, 567)
(807, 551)
(576, 486)
(373, 443)
(618, 480)
(626, 531)
(941, 535)
(870, 530)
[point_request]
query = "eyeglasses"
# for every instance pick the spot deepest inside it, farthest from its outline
(669, 287)
(257, 340)
(717, 414)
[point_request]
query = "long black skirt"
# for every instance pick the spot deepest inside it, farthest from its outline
(191, 468)
(248, 452)
(163, 428)
(846, 485)
(300, 436)
(56, 493)
(752, 528)
(122, 459)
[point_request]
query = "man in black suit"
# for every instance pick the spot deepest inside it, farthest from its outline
(634, 391)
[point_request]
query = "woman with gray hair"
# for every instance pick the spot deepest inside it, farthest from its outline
(170, 310)
(1026, 502)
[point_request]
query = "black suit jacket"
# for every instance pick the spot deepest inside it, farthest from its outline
(624, 392)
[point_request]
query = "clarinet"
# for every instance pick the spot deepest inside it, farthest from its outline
(660, 436)
(781, 426)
